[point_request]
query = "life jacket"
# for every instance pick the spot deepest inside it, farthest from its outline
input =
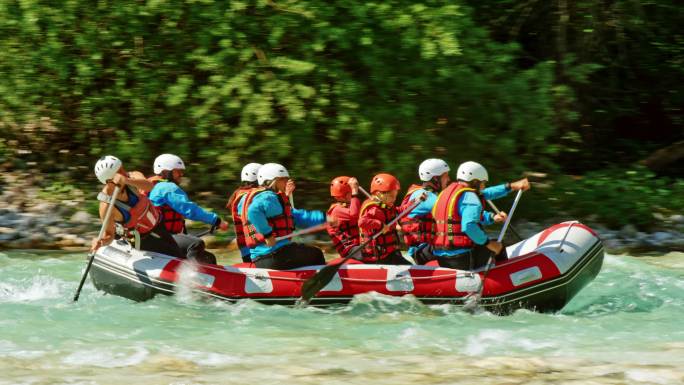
(281, 225)
(448, 232)
(237, 220)
(345, 235)
(418, 229)
(385, 243)
(139, 213)
(172, 220)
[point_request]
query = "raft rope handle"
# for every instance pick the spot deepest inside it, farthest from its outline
(560, 247)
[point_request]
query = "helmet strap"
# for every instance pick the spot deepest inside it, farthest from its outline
(432, 185)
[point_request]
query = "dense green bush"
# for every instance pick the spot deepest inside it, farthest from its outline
(617, 197)
(323, 87)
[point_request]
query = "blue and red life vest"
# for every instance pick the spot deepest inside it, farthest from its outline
(448, 232)
(281, 225)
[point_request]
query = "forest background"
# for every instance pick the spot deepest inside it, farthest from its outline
(588, 92)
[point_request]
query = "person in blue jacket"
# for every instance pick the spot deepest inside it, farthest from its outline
(175, 206)
(460, 241)
(267, 213)
(418, 226)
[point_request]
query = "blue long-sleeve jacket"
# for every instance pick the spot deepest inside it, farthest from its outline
(169, 193)
(470, 208)
(267, 205)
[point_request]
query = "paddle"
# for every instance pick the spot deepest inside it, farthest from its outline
(91, 256)
(474, 298)
(205, 232)
(496, 211)
(308, 230)
(314, 284)
(363, 190)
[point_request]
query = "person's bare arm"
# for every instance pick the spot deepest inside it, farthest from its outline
(138, 180)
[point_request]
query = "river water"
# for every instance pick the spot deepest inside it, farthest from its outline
(624, 328)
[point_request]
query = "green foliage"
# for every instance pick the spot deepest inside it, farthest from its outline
(323, 87)
(617, 197)
(615, 97)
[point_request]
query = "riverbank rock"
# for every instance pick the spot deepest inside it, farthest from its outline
(81, 217)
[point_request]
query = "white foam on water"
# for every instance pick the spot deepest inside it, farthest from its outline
(10, 349)
(208, 358)
(654, 376)
(32, 289)
(107, 358)
(501, 340)
(187, 282)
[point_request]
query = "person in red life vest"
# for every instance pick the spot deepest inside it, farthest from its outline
(175, 206)
(375, 214)
(268, 214)
(248, 181)
(132, 209)
(345, 235)
(418, 226)
(460, 241)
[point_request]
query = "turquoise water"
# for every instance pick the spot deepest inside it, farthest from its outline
(625, 327)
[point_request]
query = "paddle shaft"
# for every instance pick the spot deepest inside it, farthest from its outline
(496, 211)
(314, 284)
(363, 190)
(510, 216)
(309, 230)
(501, 236)
(103, 229)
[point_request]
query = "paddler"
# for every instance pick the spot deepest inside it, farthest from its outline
(133, 210)
(418, 226)
(175, 206)
(248, 181)
(267, 213)
(376, 213)
(345, 235)
(460, 241)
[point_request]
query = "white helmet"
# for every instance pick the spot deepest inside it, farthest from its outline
(270, 171)
(249, 172)
(168, 162)
(106, 167)
(431, 168)
(472, 170)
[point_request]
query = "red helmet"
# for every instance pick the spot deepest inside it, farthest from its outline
(339, 187)
(384, 182)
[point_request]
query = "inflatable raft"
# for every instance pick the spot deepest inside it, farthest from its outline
(542, 273)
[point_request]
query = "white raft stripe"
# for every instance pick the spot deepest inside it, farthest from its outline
(398, 277)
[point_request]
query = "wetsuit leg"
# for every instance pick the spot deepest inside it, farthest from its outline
(194, 248)
(160, 241)
(474, 259)
(423, 254)
(291, 256)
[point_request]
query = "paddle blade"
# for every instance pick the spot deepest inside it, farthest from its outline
(314, 284)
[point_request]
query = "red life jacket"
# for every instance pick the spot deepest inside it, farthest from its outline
(171, 219)
(345, 235)
(281, 225)
(143, 216)
(237, 220)
(418, 229)
(385, 243)
(448, 232)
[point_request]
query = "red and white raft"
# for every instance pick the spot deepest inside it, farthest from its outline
(542, 273)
